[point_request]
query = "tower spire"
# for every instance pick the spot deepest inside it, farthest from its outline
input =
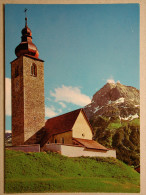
(26, 46)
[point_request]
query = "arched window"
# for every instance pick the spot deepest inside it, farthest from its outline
(55, 140)
(34, 70)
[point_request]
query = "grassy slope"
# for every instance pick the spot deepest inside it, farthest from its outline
(49, 172)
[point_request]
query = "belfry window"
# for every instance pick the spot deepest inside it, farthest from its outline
(17, 71)
(34, 70)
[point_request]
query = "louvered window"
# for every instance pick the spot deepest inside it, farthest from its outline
(34, 70)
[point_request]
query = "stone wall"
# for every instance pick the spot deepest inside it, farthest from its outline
(25, 148)
(17, 102)
(76, 151)
(28, 109)
(34, 108)
(53, 147)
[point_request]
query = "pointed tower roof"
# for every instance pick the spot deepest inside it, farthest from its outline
(26, 46)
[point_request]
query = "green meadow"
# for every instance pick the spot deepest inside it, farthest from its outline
(51, 172)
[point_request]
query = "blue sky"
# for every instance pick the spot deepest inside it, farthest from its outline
(83, 47)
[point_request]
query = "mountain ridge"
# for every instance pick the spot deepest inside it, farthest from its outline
(114, 94)
(114, 114)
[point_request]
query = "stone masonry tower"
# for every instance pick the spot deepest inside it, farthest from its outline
(27, 75)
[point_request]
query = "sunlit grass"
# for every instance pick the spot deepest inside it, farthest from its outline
(50, 172)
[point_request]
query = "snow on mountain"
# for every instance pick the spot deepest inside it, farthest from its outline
(130, 117)
(120, 100)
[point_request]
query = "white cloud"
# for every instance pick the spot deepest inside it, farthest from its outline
(62, 104)
(71, 95)
(8, 96)
(59, 110)
(50, 112)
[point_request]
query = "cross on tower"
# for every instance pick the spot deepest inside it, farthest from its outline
(25, 11)
(25, 17)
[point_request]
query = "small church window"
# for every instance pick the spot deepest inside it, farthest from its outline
(34, 70)
(17, 71)
(83, 135)
(63, 140)
(55, 141)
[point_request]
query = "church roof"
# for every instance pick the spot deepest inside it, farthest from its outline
(61, 124)
(33, 57)
(57, 125)
(90, 144)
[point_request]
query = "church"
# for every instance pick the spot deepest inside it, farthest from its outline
(69, 134)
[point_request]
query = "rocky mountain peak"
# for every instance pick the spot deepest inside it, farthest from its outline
(115, 98)
(114, 116)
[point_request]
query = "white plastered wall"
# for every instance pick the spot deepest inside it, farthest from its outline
(75, 151)
(81, 128)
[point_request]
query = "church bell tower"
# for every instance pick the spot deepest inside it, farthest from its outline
(27, 80)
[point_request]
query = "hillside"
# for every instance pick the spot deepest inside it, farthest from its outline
(114, 114)
(50, 172)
